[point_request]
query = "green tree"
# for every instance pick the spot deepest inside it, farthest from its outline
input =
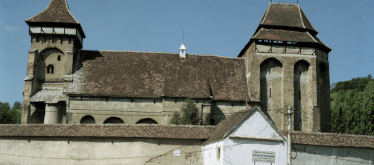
(367, 115)
(189, 114)
(17, 105)
(8, 116)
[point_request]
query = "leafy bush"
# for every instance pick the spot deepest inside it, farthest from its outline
(189, 114)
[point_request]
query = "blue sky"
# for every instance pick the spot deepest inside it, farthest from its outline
(215, 27)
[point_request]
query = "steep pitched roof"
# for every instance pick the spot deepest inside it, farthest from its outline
(229, 124)
(110, 130)
(149, 74)
(284, 35)
(56, 11)
(286, 15)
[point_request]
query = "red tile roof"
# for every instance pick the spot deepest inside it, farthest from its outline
(147, 74)
(286, 15)
(57, 11)
(331, 139)
(284, 35)
(110, 130)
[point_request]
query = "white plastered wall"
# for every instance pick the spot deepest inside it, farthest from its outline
(239, 150)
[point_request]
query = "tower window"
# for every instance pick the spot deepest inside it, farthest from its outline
(42, 58)
(270, 93)
(50, 69)
(59, 58)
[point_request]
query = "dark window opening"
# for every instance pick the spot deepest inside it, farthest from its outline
(210, 91)
(59, 58)
(270, 93)
(50, 69)
(232, 104)
(212, 122)
(147, 121)
(154, 101)
(114, 120)
(87, 120)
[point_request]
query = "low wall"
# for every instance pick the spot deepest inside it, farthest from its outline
(92, 151)
(326, 155)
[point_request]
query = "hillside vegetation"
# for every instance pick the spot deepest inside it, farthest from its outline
(352, 106)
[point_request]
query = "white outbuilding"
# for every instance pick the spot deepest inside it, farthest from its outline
(246, 137)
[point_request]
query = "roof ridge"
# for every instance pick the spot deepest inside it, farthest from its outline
(301, 18)
(204, 55)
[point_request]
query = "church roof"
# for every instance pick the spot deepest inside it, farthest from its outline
(56, 11)
(150, 74)
(287, 16)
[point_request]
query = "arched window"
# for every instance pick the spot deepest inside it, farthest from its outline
(146, 121)
(50, 69)
(114, 120)
(87, 120)
(59, 58)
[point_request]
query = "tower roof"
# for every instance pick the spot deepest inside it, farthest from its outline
(182, 47)
(286, 16)
(57, 13)
(287, 22)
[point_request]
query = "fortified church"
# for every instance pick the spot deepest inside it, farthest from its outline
(283, 65)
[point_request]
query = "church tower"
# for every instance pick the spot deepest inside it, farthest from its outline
(56, 38)
(287, 65)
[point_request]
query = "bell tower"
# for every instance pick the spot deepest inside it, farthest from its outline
(56, 38)
(287, 65)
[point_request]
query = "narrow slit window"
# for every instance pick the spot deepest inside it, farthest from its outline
(42, 58)
(59, 58)
(270, 92)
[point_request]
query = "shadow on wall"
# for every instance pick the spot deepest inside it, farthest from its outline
(270, 85)
(216, 115)
(301, 78)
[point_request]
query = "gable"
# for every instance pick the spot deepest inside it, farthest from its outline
(256, 126)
